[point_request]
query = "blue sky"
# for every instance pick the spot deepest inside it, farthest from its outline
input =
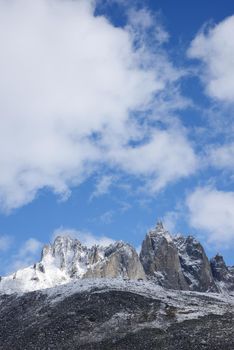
(113, 115)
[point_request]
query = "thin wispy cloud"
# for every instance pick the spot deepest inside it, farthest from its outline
(5, 242)
(27, 254)
(85, 237)
(103, 185)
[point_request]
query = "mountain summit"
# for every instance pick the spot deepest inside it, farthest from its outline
(173, 262)
(160, 259)
(105, 298)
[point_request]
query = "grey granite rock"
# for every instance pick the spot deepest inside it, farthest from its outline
(195, 264)
(223, 275)
(160, 259)
(119, 260)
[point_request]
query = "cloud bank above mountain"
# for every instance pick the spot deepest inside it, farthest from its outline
(71, 90)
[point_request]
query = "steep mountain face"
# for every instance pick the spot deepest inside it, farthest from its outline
(90, 314)
(223, 275)
(178, 263)
(68, 255)
(67, 259)
(160, 259)
(119, 259)
(195, 264)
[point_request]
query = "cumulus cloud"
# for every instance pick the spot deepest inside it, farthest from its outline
(214, 46)
(164, 158)
(211, 211)
(72, 88)
(86, 238)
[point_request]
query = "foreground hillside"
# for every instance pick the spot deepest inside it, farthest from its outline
(115, 314)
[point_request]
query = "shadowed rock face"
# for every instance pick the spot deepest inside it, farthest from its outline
(160, 259)
(222, 274)
(195, 264)
(219, 268)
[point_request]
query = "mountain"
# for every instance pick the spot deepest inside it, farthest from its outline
(168, 297)
(67, 259)
(173, 262)
(223, 275)
(195, 264)
(160, 259)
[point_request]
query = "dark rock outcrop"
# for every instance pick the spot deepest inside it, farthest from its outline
(223, 275)
(195, 264)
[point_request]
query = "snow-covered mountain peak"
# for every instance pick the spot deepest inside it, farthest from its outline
(160, 232)
(176, 262)
(66, 259)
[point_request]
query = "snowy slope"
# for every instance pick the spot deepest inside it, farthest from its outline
(178, 263)
(66, 260)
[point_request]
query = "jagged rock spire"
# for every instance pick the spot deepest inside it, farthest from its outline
(159, 226)
(175, 262)
(160, 259)
(195, 264)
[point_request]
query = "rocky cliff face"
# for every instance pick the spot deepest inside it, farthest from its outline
(195, 264)
(223, 275)
(160, 259)
(67, 259)
(119, 260)
(178, 263)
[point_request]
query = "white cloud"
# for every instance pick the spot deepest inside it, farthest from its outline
(170, 220)
(142, 18)
(69, 89)
(86, 238)
(166, 157)
(211, 211)
(107, 217)
(5, 242)
(215, 48)
(31, 246)
(103, 185)
(222, 156)
(27, 255)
